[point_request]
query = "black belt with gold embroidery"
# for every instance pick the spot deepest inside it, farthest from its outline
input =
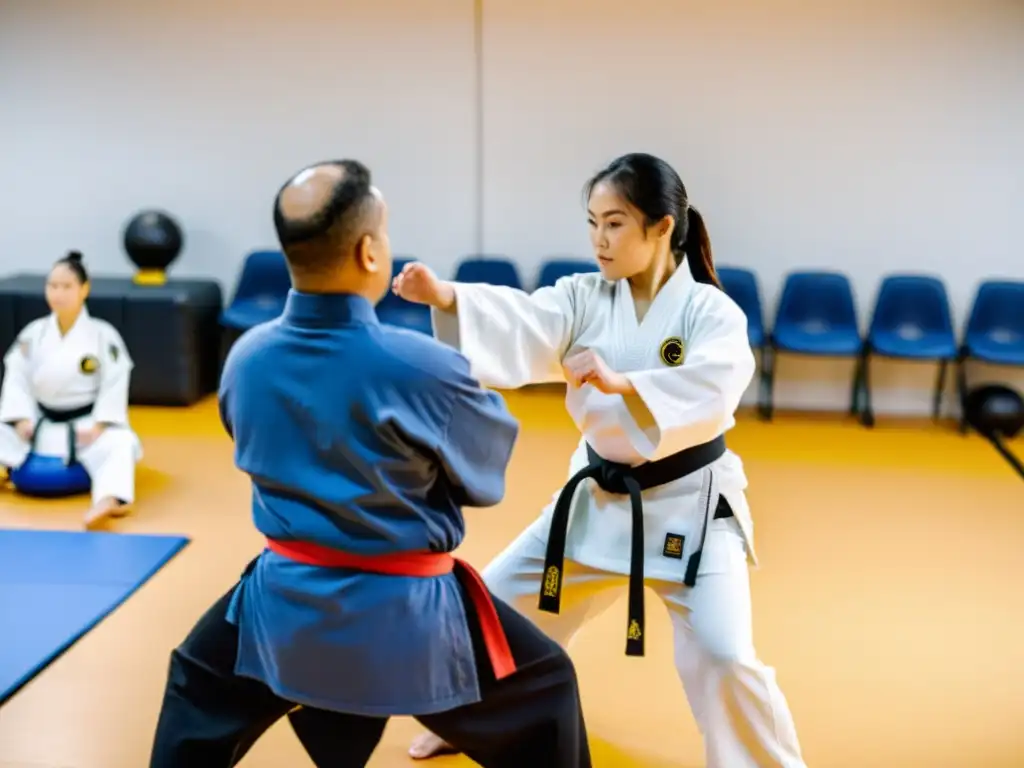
(612, 477)
(55, 416)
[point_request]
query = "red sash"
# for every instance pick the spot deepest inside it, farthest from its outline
(422, 564)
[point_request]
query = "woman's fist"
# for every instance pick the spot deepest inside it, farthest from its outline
(587, 367)
(418, 283)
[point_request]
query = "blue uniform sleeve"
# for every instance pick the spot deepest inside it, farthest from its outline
(478, 442)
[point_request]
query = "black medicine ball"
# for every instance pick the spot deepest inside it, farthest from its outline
(153, 240)
(995, 409)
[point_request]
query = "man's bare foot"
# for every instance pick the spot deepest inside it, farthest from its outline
(102, 512)
(427, 745)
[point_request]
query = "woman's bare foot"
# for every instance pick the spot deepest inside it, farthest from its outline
(427, 745)
(103, 511)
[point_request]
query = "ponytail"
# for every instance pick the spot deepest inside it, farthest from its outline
(697, 247)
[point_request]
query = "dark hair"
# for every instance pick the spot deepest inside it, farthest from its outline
(653, 187)
(316, 240)
(73, 261)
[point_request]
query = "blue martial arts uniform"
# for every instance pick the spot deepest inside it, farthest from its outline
(367, 439)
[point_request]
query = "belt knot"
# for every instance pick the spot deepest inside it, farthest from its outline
(611, 476)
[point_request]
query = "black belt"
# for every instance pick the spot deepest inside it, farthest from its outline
(613, 477)
(55, 416)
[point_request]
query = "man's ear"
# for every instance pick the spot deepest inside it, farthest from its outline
(365, 256)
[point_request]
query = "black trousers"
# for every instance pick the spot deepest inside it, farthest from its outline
(210, 717)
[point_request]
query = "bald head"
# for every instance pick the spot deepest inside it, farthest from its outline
(323, 212)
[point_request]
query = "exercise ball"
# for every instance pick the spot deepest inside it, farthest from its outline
(50, 477)
(997, 412)
(995, 409)
(152, 240)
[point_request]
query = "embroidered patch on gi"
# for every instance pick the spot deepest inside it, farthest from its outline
(89, 364)
(673, 546)
(114, 352)
(633, 632)
(551, 579)
(672, 351)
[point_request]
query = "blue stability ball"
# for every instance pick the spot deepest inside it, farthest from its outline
(50, 477)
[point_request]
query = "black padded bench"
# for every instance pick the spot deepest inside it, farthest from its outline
(172, 331)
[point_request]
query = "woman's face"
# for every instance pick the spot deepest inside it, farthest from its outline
(64, 292)
(621, 245)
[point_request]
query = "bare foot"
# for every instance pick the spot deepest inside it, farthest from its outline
(102, 512)
(427, 745)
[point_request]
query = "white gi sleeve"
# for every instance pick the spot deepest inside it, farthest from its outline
(511, 338)
(692, 403)
(16, 399)
(115, 376)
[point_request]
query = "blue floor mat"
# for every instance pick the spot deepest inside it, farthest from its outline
(57, 585)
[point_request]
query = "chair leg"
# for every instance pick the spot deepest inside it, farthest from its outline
(940, 390)
(867, 414)
(855, 388)
(760, 382)
(762, 377)
(961, 386)
(1003, 449)
(768, 361)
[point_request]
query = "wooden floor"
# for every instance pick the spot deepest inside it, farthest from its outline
(888, 600)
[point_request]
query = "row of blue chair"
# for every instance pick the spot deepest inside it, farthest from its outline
(394, 310)
(816, 316)
(499, 270)
(911, 320)
(264, 282)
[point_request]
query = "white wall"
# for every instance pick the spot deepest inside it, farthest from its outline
(205, 108)
(868, 136)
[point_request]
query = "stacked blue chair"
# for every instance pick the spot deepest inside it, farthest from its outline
(553, 270)
(261, 293)
(817, 317)
(396, 311)
(741, 286)
(495, 270)
(994, 333)
(911, 321)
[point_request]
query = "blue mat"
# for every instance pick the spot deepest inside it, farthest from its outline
(57, 585)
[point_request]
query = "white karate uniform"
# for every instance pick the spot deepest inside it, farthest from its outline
(511, 339)
(89, 364)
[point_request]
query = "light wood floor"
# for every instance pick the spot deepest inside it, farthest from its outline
(888, 600)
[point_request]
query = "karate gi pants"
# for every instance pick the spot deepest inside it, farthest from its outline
(738, 705)
(212, 717)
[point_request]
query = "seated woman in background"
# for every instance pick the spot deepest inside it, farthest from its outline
(65, 393)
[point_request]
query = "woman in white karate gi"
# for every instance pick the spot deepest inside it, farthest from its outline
(65, 393)
(656, 357)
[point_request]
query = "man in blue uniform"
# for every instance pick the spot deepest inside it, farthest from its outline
(362, 442)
